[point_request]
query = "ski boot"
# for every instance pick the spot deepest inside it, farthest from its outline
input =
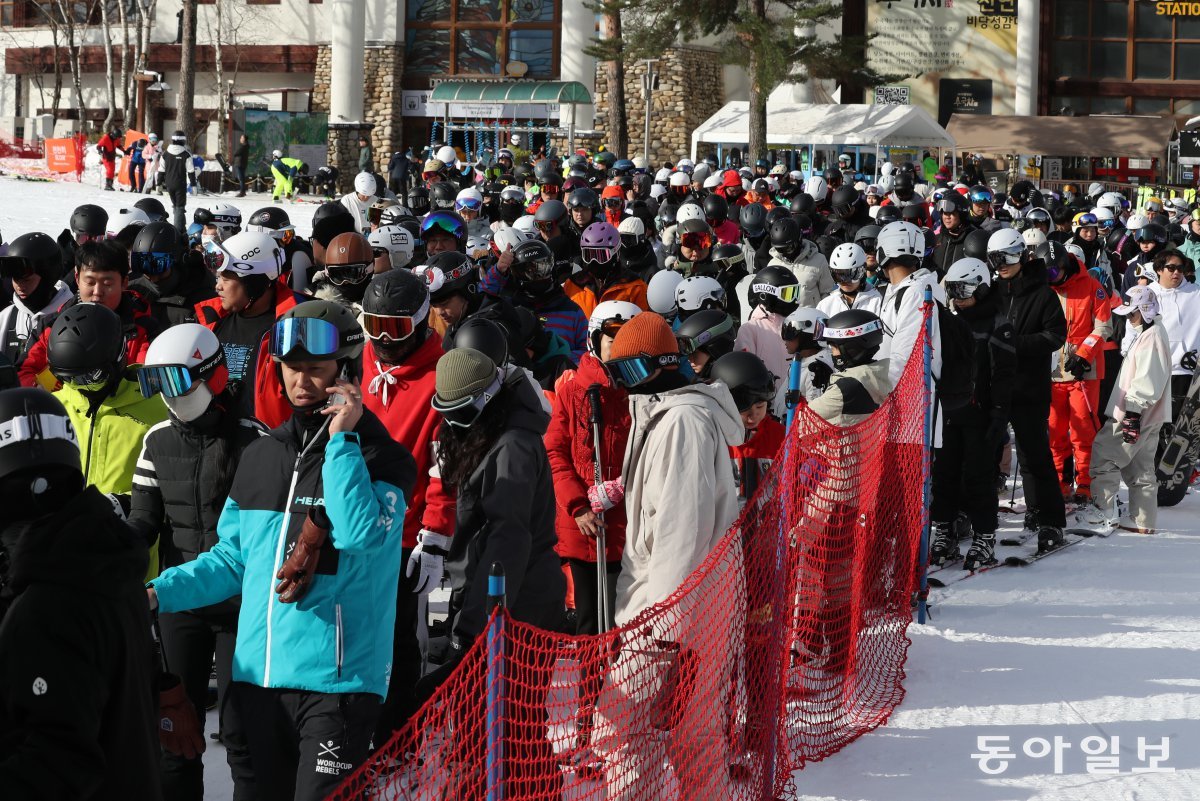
(982, 552)
(962, 527)
(1049, 538)
(1092, 517)
(943, 549)
(1031, 520)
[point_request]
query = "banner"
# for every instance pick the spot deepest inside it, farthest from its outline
(62, 156)
(954, 56)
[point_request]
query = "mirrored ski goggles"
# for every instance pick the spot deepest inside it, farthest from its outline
(174, 380)
(465, 412)
(550, 189)
(85, 378)
(850, 276)
(343, 274)
(598, 255)
(635, 370)
(81, 239)
(470, 204)
(613, 203)
(814, 329)
(283, 236)
(318, 338)
(689, 345)
(961, 290)
(982, 196)
(431, 177)
(441, 221)
(1087, 220)
(393, 327)
(696, 240)
(151, 263)
(16, 268)
(1004, 258)
(788, 294)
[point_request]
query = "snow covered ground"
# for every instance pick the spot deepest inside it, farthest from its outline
(1099, 642)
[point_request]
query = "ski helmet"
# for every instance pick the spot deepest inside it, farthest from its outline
(747, 377)
(397, 241)
(711, 332)
(119, 225)
(857, 334)
(446, 222)
(39, 463)
(600, 247)
(89, 220)
(660, 293)
(697, 293)
(417, 199)
(716, 209)
(776, 289)
(349, 259)
(329, 220)
(848, 263)
(901, 242)
(532, 269)
(975, 244)
(156, 250)
(154, 209)
(607, 318)
(86, 345)
(804, 325)
(442, 195)
(729, 259)
(753, 220)
(786, 237)
(186, 363)
(318, 330)
(844, 201)
(968, 278)
(1005, 247)
(273, 221)
(227, 218)
(29, 254)
(395, 307)
(817, 188)
(484, 335)
(449, 274)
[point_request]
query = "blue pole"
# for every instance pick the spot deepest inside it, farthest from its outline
(778, 602)
(495, 685)
(927, 493)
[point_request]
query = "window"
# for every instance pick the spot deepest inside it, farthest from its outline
(479, 37)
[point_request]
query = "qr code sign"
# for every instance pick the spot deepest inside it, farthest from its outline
(891, 96)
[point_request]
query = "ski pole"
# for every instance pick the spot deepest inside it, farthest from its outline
(593, 394)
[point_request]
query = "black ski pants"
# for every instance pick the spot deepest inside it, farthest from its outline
(964, 474)
(304, 744)
(189, 643)
(587, 604)
(1031, 426)
(407, 658)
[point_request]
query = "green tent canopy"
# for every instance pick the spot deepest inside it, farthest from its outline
(549, 92)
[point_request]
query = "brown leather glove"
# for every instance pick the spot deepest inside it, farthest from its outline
(297, 571)
(178, 727)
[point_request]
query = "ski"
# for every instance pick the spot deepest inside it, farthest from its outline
(1074, 536)
(1018, 540)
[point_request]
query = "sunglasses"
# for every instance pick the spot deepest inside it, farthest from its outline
(151, 263)
(635, 370)
(314, 337)
(1174, 267)
(343, 274)
(394, 327)
(696, 240)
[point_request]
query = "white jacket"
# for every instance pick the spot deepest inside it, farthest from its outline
(1180, 316)
(680, 493)
(359, 209)
(902, 328)
(17, 322)
(812, 271)
(1144, 383)
(834, 303)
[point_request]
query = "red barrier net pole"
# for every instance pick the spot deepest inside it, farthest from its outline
(764, 659)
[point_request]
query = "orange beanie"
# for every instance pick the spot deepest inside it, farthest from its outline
(646, 334)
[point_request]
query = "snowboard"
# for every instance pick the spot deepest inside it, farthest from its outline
(1179, 447)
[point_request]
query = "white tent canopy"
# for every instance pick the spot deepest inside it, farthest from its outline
(825, 124)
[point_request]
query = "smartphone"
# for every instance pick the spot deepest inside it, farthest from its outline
(337, 399)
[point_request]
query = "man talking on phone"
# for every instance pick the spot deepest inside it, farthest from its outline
(310, 538)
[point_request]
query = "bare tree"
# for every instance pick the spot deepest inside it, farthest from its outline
(126, 56)
(610, 49)
(187, 71)
(110, 78)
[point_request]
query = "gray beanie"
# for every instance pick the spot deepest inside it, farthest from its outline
(462, 374)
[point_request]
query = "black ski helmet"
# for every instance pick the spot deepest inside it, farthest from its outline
(40, 466)
(442, 195)
(451, 273)
(270, 218)
(32, 253)
(667, 214)
(747, 377)
(417, 200)
(709, 331)
(157, 237)
(844, 201)
(716, 209)
(583, 198)
(86, 344)
(857, 333)
(533, 268)
(903, 186)
(887, 214)
(975, 244)
(777, 213)
(554, 211)
(803, 203)
(329, 220)
(776, 289)
(785, 236)
(485, 336)
(89, 219)
(753, 220)
(399, 293)
(350, 336)
(153, 207)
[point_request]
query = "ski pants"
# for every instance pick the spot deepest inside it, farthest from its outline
(283, 185)
(110, 168)
(1114, 459)
(1073, 426)
(304, 744)
(189, 642)
(583, 578)
(179, 206)
(964, 477)
(137, 176)
(409, 647)
(1042, 491)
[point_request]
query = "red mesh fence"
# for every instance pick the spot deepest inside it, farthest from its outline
(787, 644)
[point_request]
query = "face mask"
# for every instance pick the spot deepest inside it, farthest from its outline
(190, 406)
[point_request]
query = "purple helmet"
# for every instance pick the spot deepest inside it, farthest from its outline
(599, 244)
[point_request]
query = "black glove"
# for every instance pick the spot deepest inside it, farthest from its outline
(1077, 366)
(1131, 427)
(1189, 360)
(821, 372)
(997, 430)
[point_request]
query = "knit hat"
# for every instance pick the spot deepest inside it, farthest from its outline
(645, 335)
(462, 374)
(612, 191)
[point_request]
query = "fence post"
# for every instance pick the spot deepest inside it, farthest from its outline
(495, 684)
(927, 490)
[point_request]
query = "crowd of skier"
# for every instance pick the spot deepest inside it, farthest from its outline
(283, 443)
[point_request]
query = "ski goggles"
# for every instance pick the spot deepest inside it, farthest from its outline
(867, 244)
(299, 336)
(444, 222)
(789, 293)
(947, 206)
(597, 255)
(469, 204)
(635, 370)
(791, 331)
(83, 378)
(431, 177)
(613, 203)
(283, 236)
(982, 196)
(1005, 258)
(174, 380)
(848, 276)
(689, 345)
(394, 327)
(151, 263)
(375, 214)
(83, 239)
(1145, 235)
(696, 240)
(344, 274)
(961, 290)
(16, 268)
(551, 189)
(1087, 221)
(465, 412)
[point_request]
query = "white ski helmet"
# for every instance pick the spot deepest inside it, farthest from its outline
(186, 363)
(1104, 215)
(610, 311)
(446, 154)
(806, 323)
(1034, 238)
(817, 188)
(364, 184)
(276, 154)
(1005, 246)
(700, 173)
(246, 254)
(901, 239)
(1136, 221)
(526, 225)
(1114, 201)
(699, 292)
(396, 240)
(227, 218)
(660, 293)
(965, 277)
(712, 182)
(657, 191)
(689, 211)
(680, 179)
(125, 218)
(848, 263)
(470, 199)
(663, 176)
(1076, 251)
(511, 238)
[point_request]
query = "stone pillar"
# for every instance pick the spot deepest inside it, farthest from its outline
(1029, 16)
(343, 150)
(384, 69)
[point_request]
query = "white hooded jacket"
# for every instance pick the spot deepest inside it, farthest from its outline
(680, 493)
(1144, 383)
(1179, 314)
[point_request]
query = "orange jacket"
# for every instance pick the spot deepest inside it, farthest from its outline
(1088, 310)
(270, 405)
(624, 288)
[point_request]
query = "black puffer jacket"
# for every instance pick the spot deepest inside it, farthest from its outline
(506, 514)
(1033, 308)
(173, 300)
(951, 246)
(78, 710)
(995, 365)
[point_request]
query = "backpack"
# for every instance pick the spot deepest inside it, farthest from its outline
(956, 386)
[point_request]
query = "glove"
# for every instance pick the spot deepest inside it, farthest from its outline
(1189, 360)
(997, 430)
(821, 372)
(606, 495)
(1077, 366)
(1131, 427)
(429, 557)
(178, 727)
(296, 573)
